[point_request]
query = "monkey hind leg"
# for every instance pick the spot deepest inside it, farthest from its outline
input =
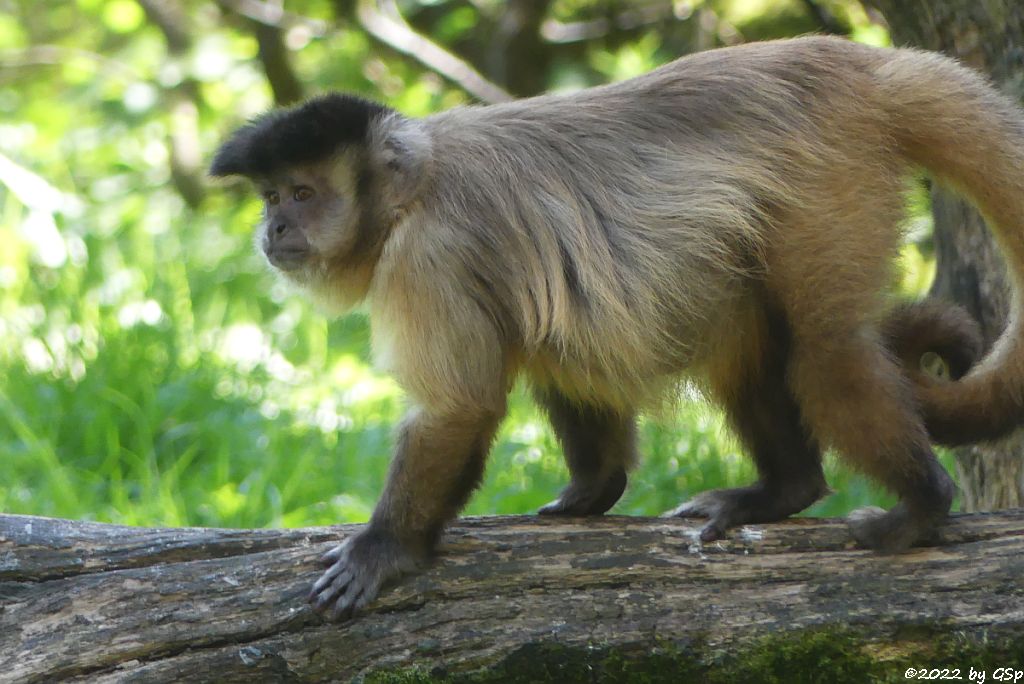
(767, 419)
(599, 446)
(854, 396)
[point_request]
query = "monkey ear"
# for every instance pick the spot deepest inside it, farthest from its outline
(401, 154)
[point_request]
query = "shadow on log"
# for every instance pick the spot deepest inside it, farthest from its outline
(512, 598)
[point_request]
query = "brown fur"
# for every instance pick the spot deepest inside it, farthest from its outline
(914, 329)
(729, 219)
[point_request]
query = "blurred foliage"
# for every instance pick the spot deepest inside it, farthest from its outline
(151, 370)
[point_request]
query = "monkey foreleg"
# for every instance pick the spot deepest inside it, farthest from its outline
(438, 461)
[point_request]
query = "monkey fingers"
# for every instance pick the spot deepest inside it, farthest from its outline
(356, 570)
(342, 588)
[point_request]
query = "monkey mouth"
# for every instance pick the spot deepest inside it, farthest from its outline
(287, 259)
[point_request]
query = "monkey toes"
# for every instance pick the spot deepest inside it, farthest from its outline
(891, 531)
(758, 503)
(721, 507)
(587, 498)
(914, 520)
(356, 570)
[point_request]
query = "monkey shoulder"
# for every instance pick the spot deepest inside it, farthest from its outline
(439, 345)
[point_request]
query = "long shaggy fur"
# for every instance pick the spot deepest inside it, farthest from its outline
(730, 218)
(620, 248)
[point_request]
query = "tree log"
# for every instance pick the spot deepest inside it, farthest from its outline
(512, 598)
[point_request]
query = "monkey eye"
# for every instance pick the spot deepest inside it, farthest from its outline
(303, 193)
(272, 197)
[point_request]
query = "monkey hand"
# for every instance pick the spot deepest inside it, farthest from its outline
(356, 570)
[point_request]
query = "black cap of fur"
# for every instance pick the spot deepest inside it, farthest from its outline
(304, 134)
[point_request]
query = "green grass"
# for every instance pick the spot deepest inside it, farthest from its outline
(237, 435)
(167, 380)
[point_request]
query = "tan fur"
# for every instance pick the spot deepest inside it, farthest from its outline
(823, 194)
(730, 218)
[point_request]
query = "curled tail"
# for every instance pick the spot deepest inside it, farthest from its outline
(934, 340)
(948, 120)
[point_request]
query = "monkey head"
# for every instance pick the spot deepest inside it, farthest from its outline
(335, 174)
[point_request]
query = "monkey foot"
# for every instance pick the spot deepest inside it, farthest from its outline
(721, 507)
(758, 503)
(587, 498)
(893, 530)
(356, 570)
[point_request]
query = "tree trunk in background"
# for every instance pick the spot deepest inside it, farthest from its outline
(987, 35)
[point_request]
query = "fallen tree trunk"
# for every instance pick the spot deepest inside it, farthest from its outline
(602, 599)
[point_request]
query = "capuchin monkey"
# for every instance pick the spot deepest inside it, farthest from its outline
(728, 220)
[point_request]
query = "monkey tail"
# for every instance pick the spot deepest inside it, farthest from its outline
(950, 121)
(933, 340)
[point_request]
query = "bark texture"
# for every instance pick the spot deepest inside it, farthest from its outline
(989, 36)
(527, 599)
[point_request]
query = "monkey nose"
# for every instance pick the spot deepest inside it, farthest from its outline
(276, 231)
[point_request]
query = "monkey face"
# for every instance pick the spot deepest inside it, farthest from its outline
(308, 217)
(282, 236)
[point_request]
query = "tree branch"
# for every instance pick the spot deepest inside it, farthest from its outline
(383, 21)
(269, 25)
(56, 55)
(826, 19)
(274, 15)
(273, 55)
(183, 141)
(632, 19)
(171, 20)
